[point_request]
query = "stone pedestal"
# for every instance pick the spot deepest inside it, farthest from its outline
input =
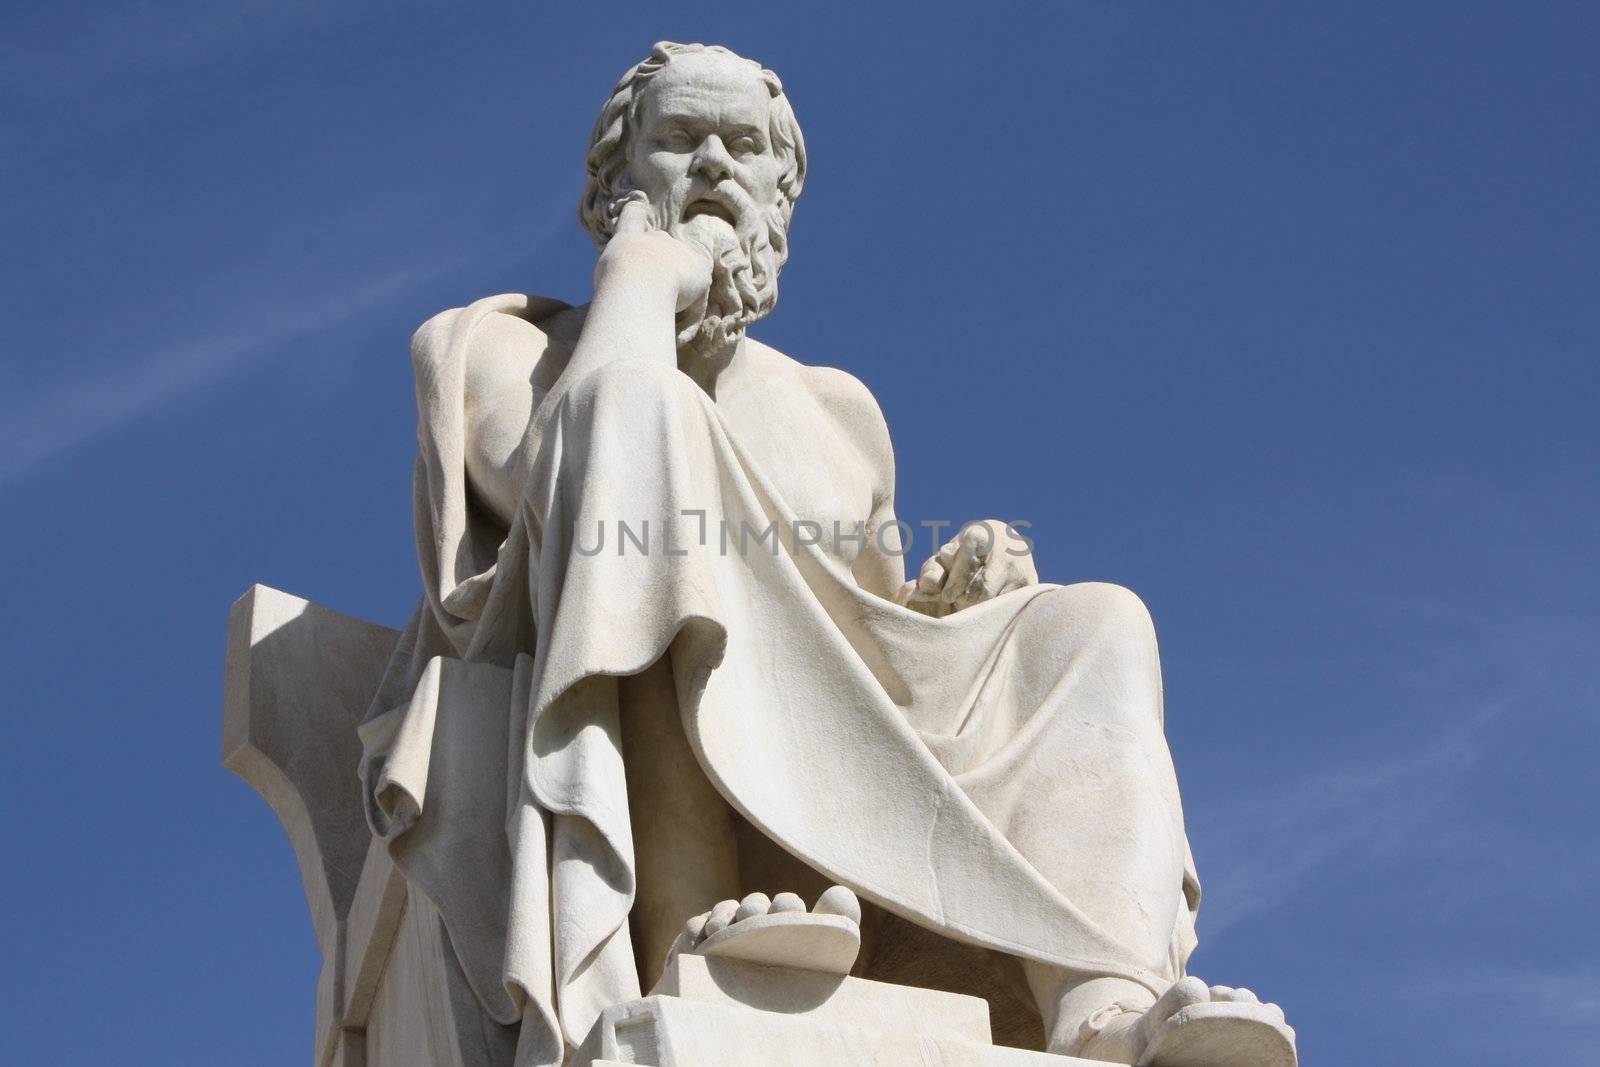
(723, 1013)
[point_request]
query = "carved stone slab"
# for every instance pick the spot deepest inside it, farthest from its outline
(391, 994)
(299, 677)
(712, 1012)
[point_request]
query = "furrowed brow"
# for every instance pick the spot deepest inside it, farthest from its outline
(677, 118)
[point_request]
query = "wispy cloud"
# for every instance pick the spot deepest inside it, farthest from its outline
(1530, 1014)
(42, 426)
(1460, 675)
(1272, 843)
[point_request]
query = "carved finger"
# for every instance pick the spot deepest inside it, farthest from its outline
(978, 536)
(998, 575)
(960, 575)
(932, 578)
(903, 595)
(634, 215)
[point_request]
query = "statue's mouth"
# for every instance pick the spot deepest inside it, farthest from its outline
(712, 206)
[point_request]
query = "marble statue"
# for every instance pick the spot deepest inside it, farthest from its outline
(721, 692)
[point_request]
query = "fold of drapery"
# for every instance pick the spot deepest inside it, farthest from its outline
(999, 775)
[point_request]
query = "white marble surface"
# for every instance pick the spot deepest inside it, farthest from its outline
(720, 1013)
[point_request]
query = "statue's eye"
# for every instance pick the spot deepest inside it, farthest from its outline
(744, 145)
(677, 139)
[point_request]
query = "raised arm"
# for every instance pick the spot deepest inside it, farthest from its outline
(643, 279)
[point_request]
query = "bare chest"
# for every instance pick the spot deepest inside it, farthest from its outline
(808, 459)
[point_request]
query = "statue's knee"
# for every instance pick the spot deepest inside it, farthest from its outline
(1115, 608)
(1110, 624)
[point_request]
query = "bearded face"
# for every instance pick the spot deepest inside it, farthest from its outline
(701, 153)
(746, 254)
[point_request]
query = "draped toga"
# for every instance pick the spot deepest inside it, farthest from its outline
(999, 775)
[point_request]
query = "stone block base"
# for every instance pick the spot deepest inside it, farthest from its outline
(718, 1013)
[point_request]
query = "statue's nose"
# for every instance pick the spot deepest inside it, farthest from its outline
(711, 160)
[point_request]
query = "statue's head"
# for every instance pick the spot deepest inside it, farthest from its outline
(710, 141)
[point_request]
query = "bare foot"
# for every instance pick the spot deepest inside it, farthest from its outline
(1194, 1025)
(779, 931)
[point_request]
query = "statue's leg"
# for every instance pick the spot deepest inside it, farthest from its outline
(1103, 821)
(1127, 861)
(683, 831)
(1082, 1010)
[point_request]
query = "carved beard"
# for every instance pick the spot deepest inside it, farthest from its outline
(746, 256)
(744, 280)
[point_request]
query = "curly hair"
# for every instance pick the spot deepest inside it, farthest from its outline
(608, 146)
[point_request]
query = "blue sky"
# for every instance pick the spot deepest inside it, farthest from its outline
(1282, 314)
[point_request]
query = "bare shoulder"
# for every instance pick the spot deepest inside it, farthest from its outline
(848, 405)
(839, 393)
(433, 336)
(510, 338)
(843, 393)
